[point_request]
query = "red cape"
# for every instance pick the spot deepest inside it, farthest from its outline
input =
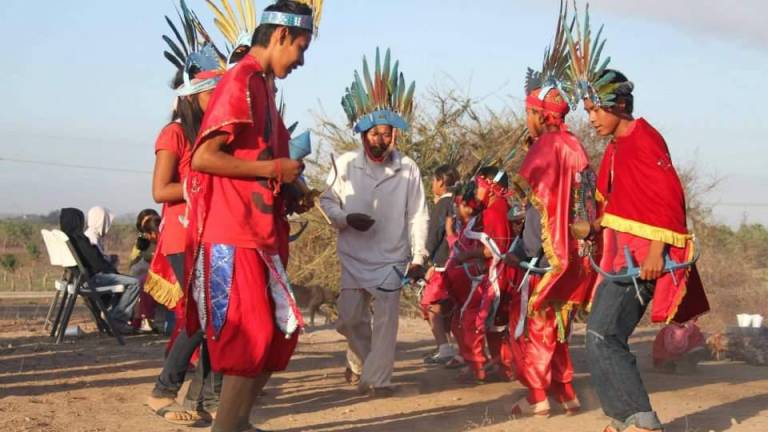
(643, 196)
(161, 281)
(549, 178)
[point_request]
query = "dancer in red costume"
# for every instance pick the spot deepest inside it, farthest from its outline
(457, 278)
(479, 299)
(559, 185)
(642, 221)
(238, 231)
(197, 75)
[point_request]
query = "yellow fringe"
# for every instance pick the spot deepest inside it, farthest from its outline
(683, 289)
(645, 231)
(164, 292)
(598, 196)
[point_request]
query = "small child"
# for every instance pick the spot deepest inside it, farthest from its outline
(148, 226)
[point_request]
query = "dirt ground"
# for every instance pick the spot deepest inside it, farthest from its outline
(94, 385)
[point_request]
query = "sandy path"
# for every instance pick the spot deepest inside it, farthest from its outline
(95, 385)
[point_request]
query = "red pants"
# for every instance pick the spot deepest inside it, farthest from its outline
(435, 292)
(542, 363)
(499, 341)
(468, 337)
(249, 342)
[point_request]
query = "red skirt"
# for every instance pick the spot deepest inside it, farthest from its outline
(248, 342)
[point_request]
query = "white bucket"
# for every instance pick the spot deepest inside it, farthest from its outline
(74, 331)
(744, 320)
(757, 321)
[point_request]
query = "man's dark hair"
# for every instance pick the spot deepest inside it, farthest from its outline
(490, 172)
(187, 112)
(263, 32)
(624, 103)
(447, 174)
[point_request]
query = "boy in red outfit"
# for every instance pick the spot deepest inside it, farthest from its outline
(479, 300)
(237, 226)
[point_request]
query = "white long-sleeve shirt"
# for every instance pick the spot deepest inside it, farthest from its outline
(393, 195)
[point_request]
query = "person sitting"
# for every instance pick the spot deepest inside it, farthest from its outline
(99, 222)
(148, 226)
(103, 272)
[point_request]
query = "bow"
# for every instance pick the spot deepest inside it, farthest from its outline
(405, 280)
(633, 271)
(311, 195)
(302, 226)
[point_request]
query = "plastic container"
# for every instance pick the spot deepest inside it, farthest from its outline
(757, 321)
(744, 320)
(74, 331)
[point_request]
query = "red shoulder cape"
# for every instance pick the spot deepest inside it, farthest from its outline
(643, 196)
(548, 177)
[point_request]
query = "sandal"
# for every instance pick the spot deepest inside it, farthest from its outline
(571, 407)
(176, 414)
(455, 363)
(470, 377)
(351, 377)
(523, 408)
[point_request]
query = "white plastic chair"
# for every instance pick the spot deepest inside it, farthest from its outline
(65, 255)
(57, 259)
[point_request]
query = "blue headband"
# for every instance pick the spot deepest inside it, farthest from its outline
(204, 60)
(288, 19)
(381, 117)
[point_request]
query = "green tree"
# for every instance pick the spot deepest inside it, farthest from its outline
(9, 263)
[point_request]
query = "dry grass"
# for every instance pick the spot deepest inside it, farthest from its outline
(452, 128)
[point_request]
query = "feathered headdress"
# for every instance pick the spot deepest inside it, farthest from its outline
(553, 73)
(306, 22)
(238, 28)
(554, 68)
(193, 53)
(382, 100)
(587, 75)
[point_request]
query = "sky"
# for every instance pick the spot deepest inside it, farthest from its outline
(85, 83)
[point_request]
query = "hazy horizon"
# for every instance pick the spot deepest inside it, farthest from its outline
(88, 85)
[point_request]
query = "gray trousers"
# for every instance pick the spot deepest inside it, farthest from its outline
(372, 337)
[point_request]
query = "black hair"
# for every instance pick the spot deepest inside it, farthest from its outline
(263, 33)
(447, 174)
(152, 224)
(147, 222)
(187, 111)
(142, 216)
(490, 172)
(624, 103)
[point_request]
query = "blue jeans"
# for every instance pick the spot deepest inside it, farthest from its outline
(121, 304)
(616, 311)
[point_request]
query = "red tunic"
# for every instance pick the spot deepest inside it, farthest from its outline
(173, 233)
(161, 281)
(245, 217)
(551, 173)
(644, 201)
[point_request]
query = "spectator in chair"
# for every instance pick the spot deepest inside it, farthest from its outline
(103, 272)
(99, 222)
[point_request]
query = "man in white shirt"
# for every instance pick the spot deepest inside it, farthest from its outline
(378, 205)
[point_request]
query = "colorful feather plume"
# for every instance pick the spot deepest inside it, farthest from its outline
(586, 75)
(236, 28)
(554, 68)
(384, 91)
(182, 43)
